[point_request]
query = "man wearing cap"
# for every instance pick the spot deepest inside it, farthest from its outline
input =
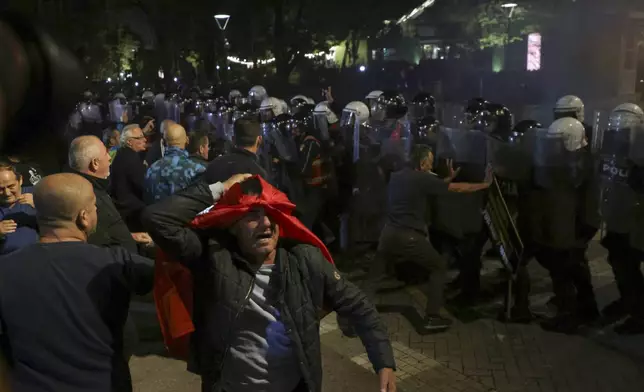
(261, 281)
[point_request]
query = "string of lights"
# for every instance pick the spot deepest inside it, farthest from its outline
(251, 64)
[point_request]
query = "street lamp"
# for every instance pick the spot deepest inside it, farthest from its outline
(511, 7)
(222, 22)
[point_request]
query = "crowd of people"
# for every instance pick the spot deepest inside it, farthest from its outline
(243, 204)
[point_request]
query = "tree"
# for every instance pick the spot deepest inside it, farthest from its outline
(288, 29)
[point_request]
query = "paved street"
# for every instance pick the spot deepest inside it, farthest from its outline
(478, 354)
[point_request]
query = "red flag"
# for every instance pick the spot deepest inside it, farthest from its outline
(173, 282)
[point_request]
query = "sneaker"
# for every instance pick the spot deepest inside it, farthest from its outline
(632, 326)
(437, 323)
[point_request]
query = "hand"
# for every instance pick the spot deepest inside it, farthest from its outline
(328, 95)
(142, 238)
(27, 198)
(237, 178)
(7, 227)
(148, 127)
(451, 173)
(387, 380)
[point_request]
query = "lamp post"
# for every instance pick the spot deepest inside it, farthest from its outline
(511, 7)
(222, 22)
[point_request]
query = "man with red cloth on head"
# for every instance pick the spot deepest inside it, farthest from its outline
(260, 282)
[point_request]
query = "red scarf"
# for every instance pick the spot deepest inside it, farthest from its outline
(173, 282)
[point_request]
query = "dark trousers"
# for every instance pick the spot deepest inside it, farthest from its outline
(470, 249)
(625, 263)
(571, 279)
(399, 245)
(315, 199)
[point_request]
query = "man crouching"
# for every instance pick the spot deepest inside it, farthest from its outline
(261, 280)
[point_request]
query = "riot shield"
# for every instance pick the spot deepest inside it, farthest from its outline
(555, 167)
(510, 159)
(118, 111)
(350, 128)
(223, 123)
(190, 122)
(617, 199)
(210, 117)
(321, 124)
(466, 148)
(75, 120)
(394, 138)
(172, 110)
(264, 152)
(160, 108)
(90, 113)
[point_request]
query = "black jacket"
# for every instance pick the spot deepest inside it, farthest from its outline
(126, 186)
(199, 159)
(110, 230)
(154, 152)
(239, 161)
(223, 281)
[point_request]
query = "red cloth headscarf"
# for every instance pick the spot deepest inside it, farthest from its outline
(173, 282)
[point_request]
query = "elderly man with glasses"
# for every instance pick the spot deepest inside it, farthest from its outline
(127, 176)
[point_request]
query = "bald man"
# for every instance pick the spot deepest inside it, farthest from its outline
(64, 302)
(175, 171)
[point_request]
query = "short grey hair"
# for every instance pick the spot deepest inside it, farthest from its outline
(82, 151)
(126, 133)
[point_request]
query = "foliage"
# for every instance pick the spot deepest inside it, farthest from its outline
(497, 28)
(166, 33)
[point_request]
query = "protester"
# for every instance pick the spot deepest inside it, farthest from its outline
(64, 302)
(243, 158)
(29, 171)
(127, 176)
(199, 147)
(258, 288)
(405, 236)
(88, 158)
(113, 143)
(175, 171)
(18, 227)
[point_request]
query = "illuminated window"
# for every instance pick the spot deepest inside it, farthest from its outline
(534, 52)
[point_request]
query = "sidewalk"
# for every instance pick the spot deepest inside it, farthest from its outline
(477, 354)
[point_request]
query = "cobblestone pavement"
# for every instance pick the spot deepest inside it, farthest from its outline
(477, 354)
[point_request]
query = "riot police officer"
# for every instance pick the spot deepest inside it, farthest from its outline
(459, 224)
(557, 208)
(620, 203)
(256, 95)
(390, 128)
(283, 152)
(423, 105)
